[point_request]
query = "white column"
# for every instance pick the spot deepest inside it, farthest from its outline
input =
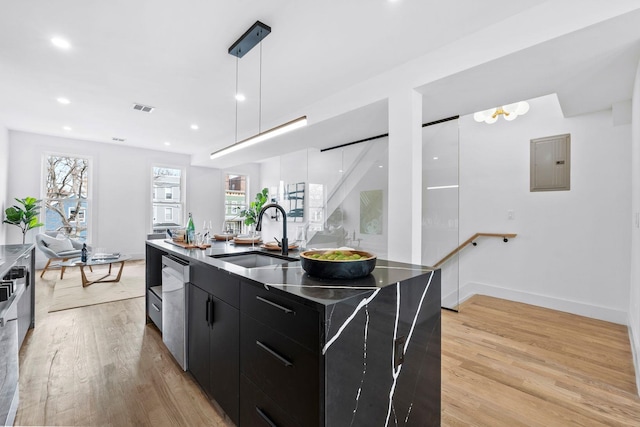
(405, 176)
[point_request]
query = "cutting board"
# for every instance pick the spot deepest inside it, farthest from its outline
(188, 245)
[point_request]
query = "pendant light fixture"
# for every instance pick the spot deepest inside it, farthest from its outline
(254, 35)
(509, 112)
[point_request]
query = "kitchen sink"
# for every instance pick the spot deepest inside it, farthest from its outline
(254, 259)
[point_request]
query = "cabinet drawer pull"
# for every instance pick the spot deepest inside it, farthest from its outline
(155, 307)
(285, 309)
(281, 359)
(265, 417)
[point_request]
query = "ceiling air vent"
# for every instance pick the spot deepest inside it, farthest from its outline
(143, 108)
(113, 138)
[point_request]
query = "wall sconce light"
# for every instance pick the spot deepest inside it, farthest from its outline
(509, 112)
(254, 35)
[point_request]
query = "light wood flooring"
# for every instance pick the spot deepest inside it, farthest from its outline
(511, 364)
(503, 364)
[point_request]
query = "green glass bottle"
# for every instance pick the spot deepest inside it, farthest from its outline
(190, 235)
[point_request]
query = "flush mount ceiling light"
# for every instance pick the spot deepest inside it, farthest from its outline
(63, 101)
(254, 35)
(509, 112)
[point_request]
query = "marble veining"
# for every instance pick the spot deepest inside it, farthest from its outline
(362, 304)
(403, 328)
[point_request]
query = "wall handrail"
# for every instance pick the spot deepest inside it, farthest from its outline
(505, 237)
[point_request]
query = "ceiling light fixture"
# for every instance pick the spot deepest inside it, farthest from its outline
(240, 97)
(509, 112)
(63, 101)
(167, 143)
(195, 127)
(61, 43)
(254, 35)
(66, 127)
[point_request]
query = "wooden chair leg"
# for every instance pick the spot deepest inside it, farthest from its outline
(63, 268)
(45, 268)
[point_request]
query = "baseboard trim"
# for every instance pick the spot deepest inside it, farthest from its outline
(574, 307)
(635, 353)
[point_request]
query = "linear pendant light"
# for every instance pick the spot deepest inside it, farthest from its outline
(254, 35)
(262, 136)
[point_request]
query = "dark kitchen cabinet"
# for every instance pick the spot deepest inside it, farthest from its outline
(214, 348)
(279, 358)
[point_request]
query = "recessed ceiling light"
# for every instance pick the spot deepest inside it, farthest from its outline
(61, 43)
(167, 143)
(64, 101)
(380, 166)
(435, 158)
(240, 97)
(195, 127)
(66, 127)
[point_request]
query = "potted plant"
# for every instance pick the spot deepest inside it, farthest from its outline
(26, 218)
(250, 214)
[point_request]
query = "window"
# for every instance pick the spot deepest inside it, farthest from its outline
(79, 216)
(67, 195)
(235, 200)
(167, 198)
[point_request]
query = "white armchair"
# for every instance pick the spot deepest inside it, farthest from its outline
(57, 249)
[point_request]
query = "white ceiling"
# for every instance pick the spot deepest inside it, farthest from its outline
(173, 56)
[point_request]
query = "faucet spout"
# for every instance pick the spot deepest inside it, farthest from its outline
(284, 241)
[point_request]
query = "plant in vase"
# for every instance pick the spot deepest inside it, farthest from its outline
(25, 217)
(250, 214)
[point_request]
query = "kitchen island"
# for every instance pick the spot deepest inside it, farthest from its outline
(274, 346)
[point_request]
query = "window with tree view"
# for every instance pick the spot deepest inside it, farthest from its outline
(67, 196)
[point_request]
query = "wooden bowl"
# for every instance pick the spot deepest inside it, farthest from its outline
(338, 269)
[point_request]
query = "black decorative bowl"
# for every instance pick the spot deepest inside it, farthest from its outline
(338, 269)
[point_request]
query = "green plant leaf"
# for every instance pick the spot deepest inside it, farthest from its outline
(25, 217)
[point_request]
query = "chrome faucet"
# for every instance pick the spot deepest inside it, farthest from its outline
(284, 242)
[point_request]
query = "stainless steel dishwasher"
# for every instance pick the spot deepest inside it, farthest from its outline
(175, 276)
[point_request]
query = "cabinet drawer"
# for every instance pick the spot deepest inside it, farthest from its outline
(296, 321)
(216, 282)
(284, 370)
(155, 308)
(257, 410)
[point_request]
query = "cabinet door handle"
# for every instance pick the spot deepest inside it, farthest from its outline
(155, 306)
(211, 311)
(281, 359)
(265, 417)
(271, 303)
(206, 311)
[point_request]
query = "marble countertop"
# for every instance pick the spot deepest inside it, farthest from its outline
(291, 278)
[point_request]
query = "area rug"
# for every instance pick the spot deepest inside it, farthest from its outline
(69, 293)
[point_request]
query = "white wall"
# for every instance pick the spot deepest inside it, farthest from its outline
(120, 188)
(572, 249)
(4, 177)
(634, 293)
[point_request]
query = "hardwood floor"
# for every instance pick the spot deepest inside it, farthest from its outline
(511, 364)
(101, 365)
(503, 364)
